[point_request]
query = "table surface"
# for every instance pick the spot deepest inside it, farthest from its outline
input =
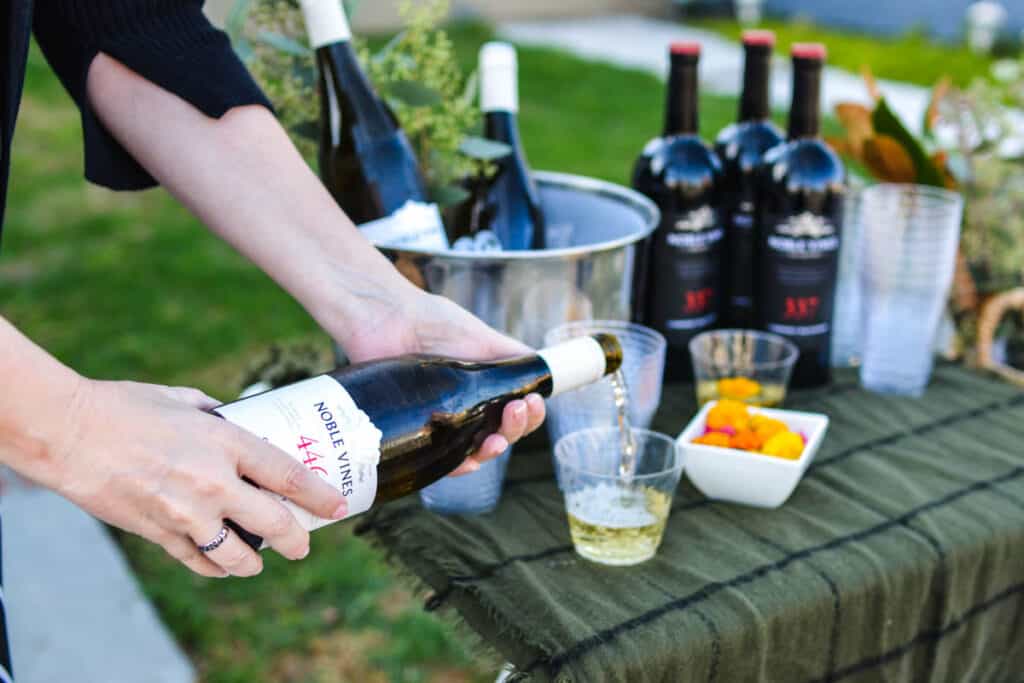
(899, 557)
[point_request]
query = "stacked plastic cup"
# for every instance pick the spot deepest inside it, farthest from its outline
(476, 493)
(910, 239)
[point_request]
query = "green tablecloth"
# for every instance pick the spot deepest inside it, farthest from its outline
(900, 557)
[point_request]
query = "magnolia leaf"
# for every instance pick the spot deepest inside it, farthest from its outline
(856, 119)
(888, 160)
(887, 124)
(940, 160)
(448, 195)
(414, 94)
(939, 92)
(870, 83)
(840, 146)
(283, 43)
(307, 129)
(484, 149)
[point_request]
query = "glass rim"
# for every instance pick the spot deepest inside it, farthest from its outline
(559, 453)
(938, 198)
(635, 329)
(791, 349)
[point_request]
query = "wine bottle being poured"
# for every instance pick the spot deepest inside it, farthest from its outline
(366, 161)
(381, 430)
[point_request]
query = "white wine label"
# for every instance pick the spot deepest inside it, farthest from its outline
(574, 364)
(414, 226)
(326, 22)
(316, 422)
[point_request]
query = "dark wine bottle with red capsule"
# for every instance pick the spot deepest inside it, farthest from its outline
(682, 174)
(801, 187)
(742, 147)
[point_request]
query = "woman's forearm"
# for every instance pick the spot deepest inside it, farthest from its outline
(38, 407)
(244, 179)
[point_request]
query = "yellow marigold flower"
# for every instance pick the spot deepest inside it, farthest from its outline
(767, 427)
(786, 445)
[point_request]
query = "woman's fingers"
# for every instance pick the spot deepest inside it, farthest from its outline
(276, 471)
(259, 513)
(186, 552)
(536, 411)
(233, 554)
(514, 419)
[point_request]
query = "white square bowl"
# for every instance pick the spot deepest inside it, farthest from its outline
(750, 478)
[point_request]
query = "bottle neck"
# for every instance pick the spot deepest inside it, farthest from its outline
(681, 100)
(326, 22)
(499, 88)
(342, 75)
(754, 103)
(805, 111)
(502, 126)
(580, 361)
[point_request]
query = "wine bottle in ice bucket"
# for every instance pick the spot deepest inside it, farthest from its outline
(366, 161)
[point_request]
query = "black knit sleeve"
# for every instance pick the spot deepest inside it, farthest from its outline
(169, 42)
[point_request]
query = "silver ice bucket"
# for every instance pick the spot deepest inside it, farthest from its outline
(596, 231)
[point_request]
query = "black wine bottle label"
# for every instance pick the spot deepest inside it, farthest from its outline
(316, 422)
(800, 261)
(688, 274)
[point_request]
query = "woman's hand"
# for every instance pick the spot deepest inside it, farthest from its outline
(149, 460)
(416, 322)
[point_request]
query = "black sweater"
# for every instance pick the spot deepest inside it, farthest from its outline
(169, 42)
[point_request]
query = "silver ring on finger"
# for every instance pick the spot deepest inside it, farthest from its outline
(215, 542)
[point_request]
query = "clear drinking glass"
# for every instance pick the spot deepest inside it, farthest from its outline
(743, 365)
(615, 517)
(847, 328)
(475, 493)
(911, 235)
(643, 367)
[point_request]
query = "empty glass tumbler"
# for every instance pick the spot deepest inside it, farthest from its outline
(910, 238)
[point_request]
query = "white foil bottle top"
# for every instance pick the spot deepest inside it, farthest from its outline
(574, 364)
(499, 78)
(326, 22)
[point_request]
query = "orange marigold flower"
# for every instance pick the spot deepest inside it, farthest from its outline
(727, 413)
(767, 427)
(746, 440)
(713, 439)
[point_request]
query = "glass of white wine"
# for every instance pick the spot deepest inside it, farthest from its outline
(617, 515)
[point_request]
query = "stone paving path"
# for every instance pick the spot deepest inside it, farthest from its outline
(75, 611)
(642, 43)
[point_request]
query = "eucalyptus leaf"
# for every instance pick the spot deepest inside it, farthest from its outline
(887, 123)
(382, 54)
(469, 92)
(448, 195)
(484, 149)
(283, 43)
(243, 48)
(237, 15)
(307, 129)
(305, 74)
(351, 7)
(414, 94)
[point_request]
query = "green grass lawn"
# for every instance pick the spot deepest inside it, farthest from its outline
(912, 57)
(131, 286)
